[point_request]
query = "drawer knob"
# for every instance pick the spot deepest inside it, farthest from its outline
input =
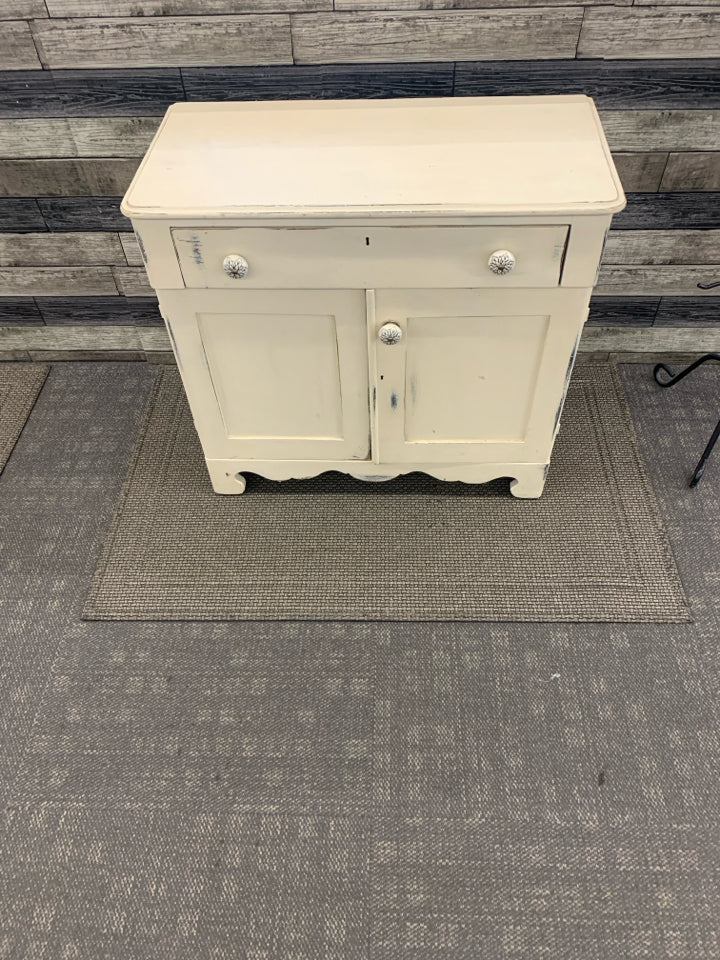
(390, 333)
(501, 262)
(235, 266)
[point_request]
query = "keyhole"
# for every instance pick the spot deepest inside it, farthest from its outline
(367, 241)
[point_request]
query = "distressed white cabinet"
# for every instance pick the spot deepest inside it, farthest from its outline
(379, 286)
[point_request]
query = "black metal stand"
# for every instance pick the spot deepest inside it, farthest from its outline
(676, 378)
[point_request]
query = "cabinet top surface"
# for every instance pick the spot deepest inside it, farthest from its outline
(428, 156)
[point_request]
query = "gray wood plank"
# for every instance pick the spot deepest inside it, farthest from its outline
(692, 171)
(56, 281)
(651, 340)
(19, 310)
(17, 49)
(132, 282)
(662, 129)
(506, 34)
(613, 84)
(640, 32)
(638, 311)
(105, 311)
(640, 171)
(678, 280)
(662, 247)
(319, 81)
(21, 215)
(36, 138)
(682, 311)
(22, 9)
(66, 338)
(81, 213)
(360, 5)
(60, 249)
(112, 136)
(179, 8)
(89, 93)
(669, 211)
(131, 249)
(163, 41)
(66, 178)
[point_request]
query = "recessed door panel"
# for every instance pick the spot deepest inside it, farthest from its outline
(471, 375)
(274, 374)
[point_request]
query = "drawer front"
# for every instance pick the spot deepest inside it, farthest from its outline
(367, 257)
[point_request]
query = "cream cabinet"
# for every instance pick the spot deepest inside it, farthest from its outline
(376, 287)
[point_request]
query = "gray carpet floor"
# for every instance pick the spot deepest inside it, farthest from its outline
(347, 791)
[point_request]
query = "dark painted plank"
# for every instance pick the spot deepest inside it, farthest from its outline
(319, 81)
(66, 178)
(82, 213)
(117, 311)
(611, 311)
(698, 210)
(686, 311)
(19, 310)
(88, 93)
(20, 216)
(619, 84)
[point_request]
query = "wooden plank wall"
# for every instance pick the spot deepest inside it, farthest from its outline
(81, 94)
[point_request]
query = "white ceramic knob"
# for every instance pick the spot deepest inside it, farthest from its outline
(501, 262)
(390, 333)
(235, 266)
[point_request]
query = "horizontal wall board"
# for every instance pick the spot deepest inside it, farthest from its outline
(66, 178)
(179, 8)
(638, 32)
(655, 339)
(118, 311)
(89, 93)
(56, 281)
(17, 49)
(58, 249)
(19, 310)
(36, 138)
(505, 34)
(640, 171)
(113, 136)
(164, 41)
(22, 9)
(669, 211)
(692, 171)
(678, 280)
(626, 310)
(81, 213)
(131, 249)
(47, 342)
(451, 4)
(662, 129)
(662, 247)
(132, 282)
(681, 311)
(613, 84)
(319, 81)
(20, 215)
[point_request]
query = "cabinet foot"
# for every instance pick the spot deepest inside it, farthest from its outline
(529, 481)
(227, 481)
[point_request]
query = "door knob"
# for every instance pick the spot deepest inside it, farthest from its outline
(501, 262)
(390, 333)
(235, 266)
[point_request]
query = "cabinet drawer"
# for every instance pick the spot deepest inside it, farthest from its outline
(362, 257)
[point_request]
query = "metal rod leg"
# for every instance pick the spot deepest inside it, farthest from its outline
(700, 469)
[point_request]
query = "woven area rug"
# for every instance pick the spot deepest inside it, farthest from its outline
(331, 548)
(20, 384)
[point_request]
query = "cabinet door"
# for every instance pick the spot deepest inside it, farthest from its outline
(274, 374)
(475, 376)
